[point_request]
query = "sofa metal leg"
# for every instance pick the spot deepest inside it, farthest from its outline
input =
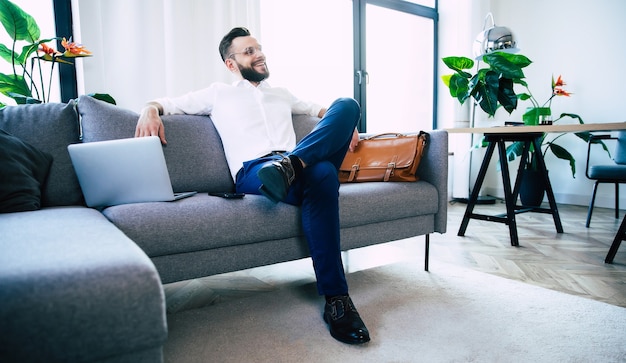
(426, 252)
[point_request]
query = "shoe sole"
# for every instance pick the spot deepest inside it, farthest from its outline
(273, 185)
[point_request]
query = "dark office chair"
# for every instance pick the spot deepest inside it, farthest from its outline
(607, 173)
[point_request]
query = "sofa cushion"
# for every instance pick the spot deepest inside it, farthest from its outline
(23, 171)
(49, 127)
(203, 222)
(194, 154)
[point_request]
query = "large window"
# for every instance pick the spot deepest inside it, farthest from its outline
(309, 47)
(380, 52)
(395, 64)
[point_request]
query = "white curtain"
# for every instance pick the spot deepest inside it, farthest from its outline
(144, 49)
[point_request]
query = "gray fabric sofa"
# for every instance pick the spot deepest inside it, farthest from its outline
(79, 284)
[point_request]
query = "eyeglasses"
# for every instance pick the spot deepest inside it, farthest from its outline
(249, 51)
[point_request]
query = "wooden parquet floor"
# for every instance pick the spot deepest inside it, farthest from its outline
(570, 262)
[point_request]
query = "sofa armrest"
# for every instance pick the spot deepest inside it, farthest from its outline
(434, 169)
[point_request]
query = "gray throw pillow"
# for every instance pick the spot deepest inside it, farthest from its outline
(23, 172)
(50, 127)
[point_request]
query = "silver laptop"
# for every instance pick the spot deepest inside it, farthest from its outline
(123, 171)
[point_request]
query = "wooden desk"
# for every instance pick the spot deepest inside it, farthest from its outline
(529, 135)
(607, 126)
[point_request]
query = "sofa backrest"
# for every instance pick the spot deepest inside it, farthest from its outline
(49, 127)
(303, 124)
(194, 154)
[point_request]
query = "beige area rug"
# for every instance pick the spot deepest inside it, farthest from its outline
(450, 314)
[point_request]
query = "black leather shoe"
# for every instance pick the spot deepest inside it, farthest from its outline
(344, 321)
(276, 177)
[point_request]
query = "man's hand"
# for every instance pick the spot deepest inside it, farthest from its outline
(355, 140)
(150, 124)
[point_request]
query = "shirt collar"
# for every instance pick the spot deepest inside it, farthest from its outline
(246, 83)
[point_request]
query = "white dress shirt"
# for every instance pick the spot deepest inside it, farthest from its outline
(252, 121)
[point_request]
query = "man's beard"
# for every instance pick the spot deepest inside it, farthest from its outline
(251, 74)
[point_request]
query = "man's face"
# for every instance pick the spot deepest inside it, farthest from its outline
(249, 59)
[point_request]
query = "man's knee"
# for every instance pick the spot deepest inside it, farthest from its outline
(348, 105)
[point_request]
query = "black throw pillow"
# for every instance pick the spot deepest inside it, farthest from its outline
(23, 172)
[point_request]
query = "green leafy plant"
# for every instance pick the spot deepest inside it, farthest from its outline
(493, 86)
(28, 55)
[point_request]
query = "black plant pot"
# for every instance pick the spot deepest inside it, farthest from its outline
(532, 188)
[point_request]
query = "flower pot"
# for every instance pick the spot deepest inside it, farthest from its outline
(536, 115)
(532, 188)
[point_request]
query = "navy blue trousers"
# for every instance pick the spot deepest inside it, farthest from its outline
(316, 190)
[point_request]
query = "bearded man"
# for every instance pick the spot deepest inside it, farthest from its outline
(254, 121)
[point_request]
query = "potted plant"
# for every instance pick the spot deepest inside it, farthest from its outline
(26, 84)
(492, 87)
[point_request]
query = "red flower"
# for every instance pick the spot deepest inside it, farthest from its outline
(74, 50)
(556, 88)
(47, 50)
(561, 92)
(559, 82)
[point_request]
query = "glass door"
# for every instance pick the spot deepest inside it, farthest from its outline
(395, 69)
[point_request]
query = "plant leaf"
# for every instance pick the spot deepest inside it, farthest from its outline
(517, 59)
(586, 137)
(13, 84)
(446, 79)
(506, 95)
(27, 50)
(6, 53)
(458, 64)
(502, 65)
(561, 153)
(520, 81)
(23, 100)
(486, 93)
(103, 97)
(572, 115)
(514, 150)
(459, 87)
(18, 24)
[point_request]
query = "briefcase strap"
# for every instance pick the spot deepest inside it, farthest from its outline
(390, 166)
(354, 169)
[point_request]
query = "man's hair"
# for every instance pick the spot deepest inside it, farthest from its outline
(227, 41)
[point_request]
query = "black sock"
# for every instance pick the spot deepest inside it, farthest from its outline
(297, 164)
(330, 297)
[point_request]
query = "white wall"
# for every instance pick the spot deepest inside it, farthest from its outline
(578, 39)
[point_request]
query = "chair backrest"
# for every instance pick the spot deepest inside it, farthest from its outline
(620, 149)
